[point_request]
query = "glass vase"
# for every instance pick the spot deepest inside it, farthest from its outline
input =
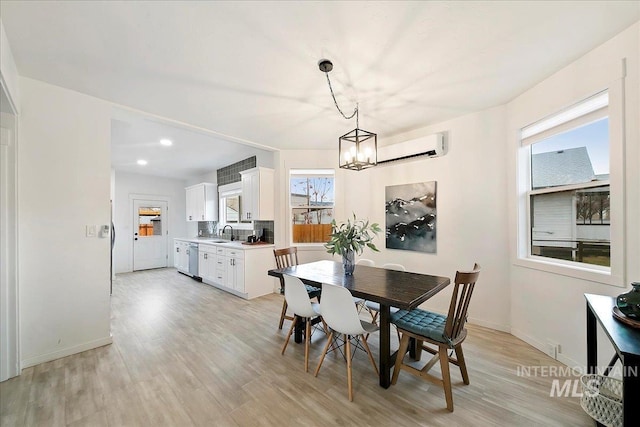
(629, 303)
(348, 262)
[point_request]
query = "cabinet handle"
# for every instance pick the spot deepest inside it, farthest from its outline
(189, 217)
(177, 249)
(205, 256)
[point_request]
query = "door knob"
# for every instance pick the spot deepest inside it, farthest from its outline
(135, 238)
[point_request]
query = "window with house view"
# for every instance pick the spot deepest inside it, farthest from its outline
(569, 198)
(311, 201)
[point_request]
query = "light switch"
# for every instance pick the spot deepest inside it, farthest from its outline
(92, 230)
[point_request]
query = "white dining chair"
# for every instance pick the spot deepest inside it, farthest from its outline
(298, 301)
(365, 261)
(341, 316)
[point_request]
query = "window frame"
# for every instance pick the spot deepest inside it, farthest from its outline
(311, 172)
(523, 257)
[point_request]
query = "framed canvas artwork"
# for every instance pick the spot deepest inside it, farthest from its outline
(410, 214)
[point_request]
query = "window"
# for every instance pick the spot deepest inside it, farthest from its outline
(569, 211)
(311, 201)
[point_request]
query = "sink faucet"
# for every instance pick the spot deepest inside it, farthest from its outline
(224, 228)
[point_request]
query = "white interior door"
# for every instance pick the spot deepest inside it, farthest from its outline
(150, 234)
(9, 346)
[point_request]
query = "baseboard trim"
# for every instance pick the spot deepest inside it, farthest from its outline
(490, 325)
(48, 357)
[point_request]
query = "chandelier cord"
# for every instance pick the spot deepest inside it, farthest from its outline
(355, 111)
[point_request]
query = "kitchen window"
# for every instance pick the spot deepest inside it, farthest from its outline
(311, 204)
(568, 199)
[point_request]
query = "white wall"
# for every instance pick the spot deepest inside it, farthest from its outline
(63, 185)
(551, 307)
(8, 71)
(127, 184)
(471, 207)
(471, 210)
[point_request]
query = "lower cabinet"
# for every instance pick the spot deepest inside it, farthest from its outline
(180, 255)
(207, 262)
(240, 272)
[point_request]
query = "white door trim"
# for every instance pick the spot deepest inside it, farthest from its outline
(10, 364)
(149, 197)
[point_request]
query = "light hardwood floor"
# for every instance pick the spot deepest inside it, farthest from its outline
(187, 354)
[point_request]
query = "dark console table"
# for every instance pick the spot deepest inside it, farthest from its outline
(626, 341)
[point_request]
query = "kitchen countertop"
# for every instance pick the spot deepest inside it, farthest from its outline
(237, 244)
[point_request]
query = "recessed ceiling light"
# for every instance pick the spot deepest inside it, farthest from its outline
(142, 162)
(166, 142)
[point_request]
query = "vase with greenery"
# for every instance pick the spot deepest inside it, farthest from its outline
(351, 237)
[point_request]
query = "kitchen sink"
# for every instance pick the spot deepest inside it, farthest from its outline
(219, 241)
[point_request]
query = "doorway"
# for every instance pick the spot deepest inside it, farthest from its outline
(150, 234)
(9, 329)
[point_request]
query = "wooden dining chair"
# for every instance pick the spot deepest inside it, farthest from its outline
(288, 257)
(444, 332)
(342, 318)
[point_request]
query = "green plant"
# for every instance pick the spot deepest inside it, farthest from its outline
(352, 236)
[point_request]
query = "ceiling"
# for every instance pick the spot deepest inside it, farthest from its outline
(247, 71)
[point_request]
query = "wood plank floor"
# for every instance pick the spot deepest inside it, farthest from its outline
(187, 354)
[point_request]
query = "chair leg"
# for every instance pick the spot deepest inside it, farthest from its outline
(307, 340)
(283, 313)
(349, 379)
(404, 343)
(374, 317)
(324, 353)
(366, 347)
(293, 325)
(462, 364)
(446, 376)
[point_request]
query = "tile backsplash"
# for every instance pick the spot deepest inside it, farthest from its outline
(209, 229)
(227, 175)
(231, 173)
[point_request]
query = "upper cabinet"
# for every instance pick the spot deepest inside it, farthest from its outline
(202, 202)
(258, 193)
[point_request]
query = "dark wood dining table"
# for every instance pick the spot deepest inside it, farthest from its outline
(389, 288)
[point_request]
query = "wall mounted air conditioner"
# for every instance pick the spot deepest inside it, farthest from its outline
(430, 145)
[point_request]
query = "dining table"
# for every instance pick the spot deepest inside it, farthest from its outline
(389, 288)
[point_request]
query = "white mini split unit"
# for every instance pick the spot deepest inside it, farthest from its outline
(430, 146)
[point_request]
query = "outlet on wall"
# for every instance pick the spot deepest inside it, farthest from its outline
(92, 230)
(553, 349)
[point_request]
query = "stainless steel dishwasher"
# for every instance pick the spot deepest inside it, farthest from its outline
(193, 259)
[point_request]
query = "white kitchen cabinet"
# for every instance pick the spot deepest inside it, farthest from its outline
(180, 255)
(202, 202)
(207, 262)
(258, 193)
(235, 270)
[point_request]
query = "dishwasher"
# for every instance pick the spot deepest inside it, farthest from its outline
(193, 260)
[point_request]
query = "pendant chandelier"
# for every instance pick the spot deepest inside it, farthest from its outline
(357, 149)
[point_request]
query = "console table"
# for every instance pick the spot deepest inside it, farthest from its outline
(626, 341)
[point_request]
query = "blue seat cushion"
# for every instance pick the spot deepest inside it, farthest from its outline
(313, 291)
(421, 322)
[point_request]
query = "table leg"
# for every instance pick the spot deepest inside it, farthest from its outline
(385, 346)
(592, 344)
(630, 389)
(298, 333)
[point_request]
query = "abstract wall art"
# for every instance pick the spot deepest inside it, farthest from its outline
(410, 211)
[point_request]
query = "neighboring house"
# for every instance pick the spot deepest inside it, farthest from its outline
(564, 221)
